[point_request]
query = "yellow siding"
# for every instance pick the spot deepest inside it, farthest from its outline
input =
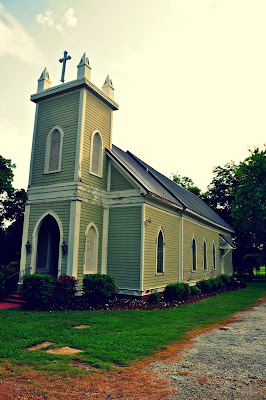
(170, 224)
(89, 213)
(200, 232)
(97, 117)
(62, 209)
(61, 110)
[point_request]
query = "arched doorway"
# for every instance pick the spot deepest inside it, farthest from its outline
(48, 247)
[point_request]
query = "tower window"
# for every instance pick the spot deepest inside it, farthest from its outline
(96, 154)
(54, 144)
(91, 250)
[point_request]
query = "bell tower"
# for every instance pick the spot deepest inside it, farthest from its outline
(68, 173)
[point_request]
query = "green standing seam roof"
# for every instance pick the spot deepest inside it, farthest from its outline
(158, 184)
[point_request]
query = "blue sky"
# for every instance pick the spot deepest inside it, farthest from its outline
(189, 76)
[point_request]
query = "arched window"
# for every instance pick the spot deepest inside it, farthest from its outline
(96, 154)
(54, 145)
(91, 250)
(214, 255)
(160, 252)
(205, 256)
(194, 254)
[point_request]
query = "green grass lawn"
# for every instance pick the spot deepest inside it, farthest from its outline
(114, 338)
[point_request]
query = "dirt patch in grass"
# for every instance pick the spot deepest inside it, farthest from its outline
(40, 346)
(64, 350)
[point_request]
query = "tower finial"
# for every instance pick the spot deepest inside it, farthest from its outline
(108, 88)
(84, 68)
(44, 81)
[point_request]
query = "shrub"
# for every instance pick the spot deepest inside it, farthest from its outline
(195, 290)
(37, 289)
(8, 281)
(98, 288)
(176, 291)
(205, 286)
(227, 280)
(214, 283)
(220, 283)
(154, 298)
(65, 288)
(14, 266)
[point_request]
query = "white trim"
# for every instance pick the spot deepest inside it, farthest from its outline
(181, 247)
(163, 271)
(162, 210)
(109, 166)
(35, 235)
(111, 130)
(48, 148)
(142, 245)
(203, 249)
(105, 240)
(73, 238)
(100, 174)
(214, 267)
(33, 143)
(194, 238)
(213, 229)
(96, 245)
(23, 257)
(80, 135)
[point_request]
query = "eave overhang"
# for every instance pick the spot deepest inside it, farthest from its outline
(72, 85)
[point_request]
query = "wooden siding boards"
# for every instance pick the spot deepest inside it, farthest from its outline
(191, 229)
(62, 209)
(118, 181)
(97, 117)
(124, 244)
(169, 222)
(62, 110)
(89, 213)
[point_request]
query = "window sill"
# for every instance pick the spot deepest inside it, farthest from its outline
(98, 176)
(51, 172)
(159, 273)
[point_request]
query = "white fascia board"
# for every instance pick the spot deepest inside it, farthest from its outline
(52, 193)
(76, 84)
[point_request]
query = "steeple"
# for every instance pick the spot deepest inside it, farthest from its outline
(108, 88)
(44, 81)
(84, 68)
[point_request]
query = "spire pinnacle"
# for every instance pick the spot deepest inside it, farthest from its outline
(108, 88)
(84, 68)
(44, 81)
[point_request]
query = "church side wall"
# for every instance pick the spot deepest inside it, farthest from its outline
(200, 232)
(62, 209)
(61, 110)
(169, 222)
(118, 181)
(124, 246)
(97, 117)
(89, 213)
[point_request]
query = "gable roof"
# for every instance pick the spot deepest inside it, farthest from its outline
(159, 185)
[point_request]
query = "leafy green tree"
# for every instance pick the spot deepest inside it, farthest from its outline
(186, 183)
(12, 205)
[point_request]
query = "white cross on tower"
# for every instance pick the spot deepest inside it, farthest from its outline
(64, 60)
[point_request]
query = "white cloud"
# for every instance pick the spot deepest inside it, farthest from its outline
(15, 40)
(46, 18)
(68, 20)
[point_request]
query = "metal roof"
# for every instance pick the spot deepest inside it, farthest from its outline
(159, 185)
(231, 244)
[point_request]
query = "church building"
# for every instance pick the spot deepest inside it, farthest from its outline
(94, 208)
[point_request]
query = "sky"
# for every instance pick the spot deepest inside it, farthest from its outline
(189, 75)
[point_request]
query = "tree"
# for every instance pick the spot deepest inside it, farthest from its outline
(249, 204)
(12, 205)
(237, 193)
(186, 183)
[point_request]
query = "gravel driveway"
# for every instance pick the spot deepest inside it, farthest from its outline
(226, 363)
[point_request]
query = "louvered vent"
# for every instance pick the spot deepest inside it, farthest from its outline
(54, 151)
(96, 154)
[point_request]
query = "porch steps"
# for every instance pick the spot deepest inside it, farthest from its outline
(12, 300)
